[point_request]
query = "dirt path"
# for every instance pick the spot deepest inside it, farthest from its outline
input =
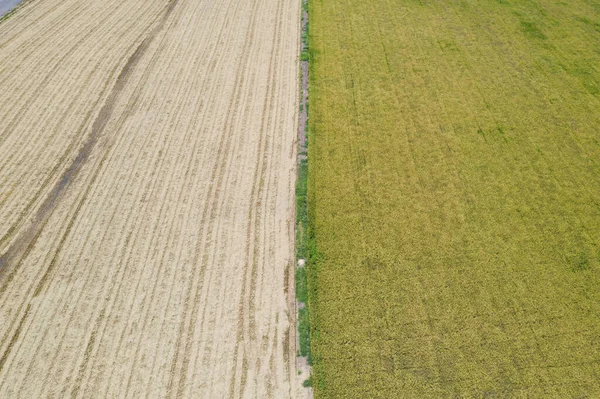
(147, 167)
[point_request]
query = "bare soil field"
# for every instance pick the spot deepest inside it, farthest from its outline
(147, 171)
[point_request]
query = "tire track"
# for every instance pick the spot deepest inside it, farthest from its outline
(25, 241)
(19, 173)
(27, 238)
(208, 214)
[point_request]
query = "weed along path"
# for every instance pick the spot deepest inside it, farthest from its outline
(148, 158)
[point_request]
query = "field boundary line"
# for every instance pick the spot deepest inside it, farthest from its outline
(303, 351)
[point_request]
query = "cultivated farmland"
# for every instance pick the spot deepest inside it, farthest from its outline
(147, 172)
(454, 194)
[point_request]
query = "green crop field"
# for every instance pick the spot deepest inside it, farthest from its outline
(454, 198)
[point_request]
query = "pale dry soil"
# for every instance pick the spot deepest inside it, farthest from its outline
(147, 170)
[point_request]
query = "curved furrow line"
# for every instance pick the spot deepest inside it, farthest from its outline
(47, 272)
(84, 52)
(274, 181)
(190, 173)
(44, 212)
(18, 247)
(125, 259)
(180, 193)
(160, 264)
(128, 109)
(210, 337)
(249, 337)
(213, 66)
(5, 282)
(103, 161)
(207, 234)
(213, 343)
(57, 165)
(24, 39)
(50, 178)
(116, 284)
(49, 111)
(48, 66)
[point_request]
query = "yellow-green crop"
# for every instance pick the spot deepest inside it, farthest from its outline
(454, 198)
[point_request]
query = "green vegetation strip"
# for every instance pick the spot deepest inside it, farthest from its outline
(302, 229)
(302, 253)
(454, 198)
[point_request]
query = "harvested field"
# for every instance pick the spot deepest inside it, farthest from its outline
(147, 171)
(454, 195)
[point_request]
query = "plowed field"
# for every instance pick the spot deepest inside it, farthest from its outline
(147, 169)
